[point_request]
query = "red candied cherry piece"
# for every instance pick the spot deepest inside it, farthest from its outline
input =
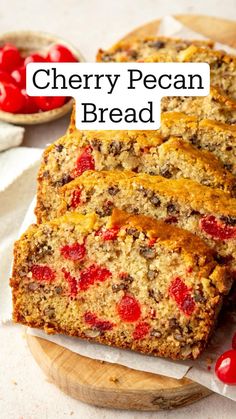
(11, 98)
(9, 57)
(152, 242)
(72, 282)
(180, 293)
(188, 305)
(60, 54)
(109, 234)
(219, 231)
(92, 274)
(75, 198)
(92, 319)
(74, 251)
(42, 273)
(234, 341)
(141, 331)
(6, 77)
(225, 367)
(85, 161)
(34, 58)
(19, 76)
(49, 103)
(129, 309)
(30, 105)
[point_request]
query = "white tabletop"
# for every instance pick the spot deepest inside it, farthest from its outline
(25, 393)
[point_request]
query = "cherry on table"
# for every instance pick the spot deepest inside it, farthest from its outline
(30, 105)
(11, 98)
(6, 77)
(10, 57)
(225, 367)
(60, 54)
(19, 76)
(34, 58)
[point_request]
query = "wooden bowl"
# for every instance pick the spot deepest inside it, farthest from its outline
(29, 42)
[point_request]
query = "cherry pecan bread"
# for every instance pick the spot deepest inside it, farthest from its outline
(140, 151)
(126, 281)
(141, 48)
(223, 66)
(213, 136)
(216, 106)
(206, 212)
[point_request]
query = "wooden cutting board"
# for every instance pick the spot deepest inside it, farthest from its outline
(111, 385)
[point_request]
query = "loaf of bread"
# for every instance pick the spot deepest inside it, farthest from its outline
(213, 136)
(142, 47)
(140, 151)
(203, 211)
(126, 281)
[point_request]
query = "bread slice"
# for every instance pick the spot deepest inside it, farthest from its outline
(219, 139)
(140, 151)
(216, 106)
(140, 48)
(223, 66)
(126, 281)
(203, 211)
(179, 159)
(213, 136)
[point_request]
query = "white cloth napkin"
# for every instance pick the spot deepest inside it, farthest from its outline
(18, 170)
(10, 135)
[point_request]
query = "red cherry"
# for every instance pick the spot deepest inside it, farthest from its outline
(92, 274)
(225, 367)
(9, 57)
(75, 198)
(42, 273)
(129, 309)
(30, 105)
(219, 231)
(49, 103)
(109, 234)
(11, 98)
(72, 283)
(93, 320)
(234, 342)
(180, 293)
(34, 58)
(19, 76)
(61, 54)
(141, 331)
(6, 77)
(75, 251)
(85, 161)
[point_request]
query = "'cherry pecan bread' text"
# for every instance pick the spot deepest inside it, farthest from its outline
(125, 281)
